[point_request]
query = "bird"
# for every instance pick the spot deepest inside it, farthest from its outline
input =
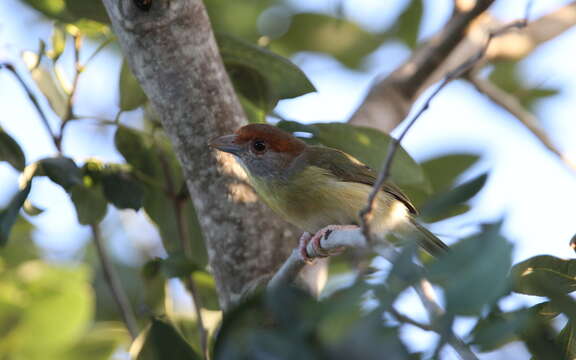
(320, 189)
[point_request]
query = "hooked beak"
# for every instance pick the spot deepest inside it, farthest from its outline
(226, 143)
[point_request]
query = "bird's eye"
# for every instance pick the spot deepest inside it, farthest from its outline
(259, 146)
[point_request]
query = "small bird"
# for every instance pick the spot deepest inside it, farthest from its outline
(320, 189)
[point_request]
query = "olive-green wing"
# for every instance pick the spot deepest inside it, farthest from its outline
(349, 169)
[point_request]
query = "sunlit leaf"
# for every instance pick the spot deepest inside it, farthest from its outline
(9, 214)
(469, 281)
(529, 276)
(131, 93)
(47, 84)
(11, 152)
(89, 202)
(162, 341)
(206, 287)
(260, 75)
(58, 42)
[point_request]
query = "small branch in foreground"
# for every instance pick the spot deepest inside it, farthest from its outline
(178, 203)
(366, 213)
(354, 238)
(513, 106)
(33, 99)
(114, 284)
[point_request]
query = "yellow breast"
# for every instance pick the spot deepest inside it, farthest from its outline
(315, 198)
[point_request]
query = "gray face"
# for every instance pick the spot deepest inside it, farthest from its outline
(260, 160)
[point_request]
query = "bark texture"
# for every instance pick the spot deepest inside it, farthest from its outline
(171, 49)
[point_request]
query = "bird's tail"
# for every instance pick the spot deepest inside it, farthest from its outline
(426, 239)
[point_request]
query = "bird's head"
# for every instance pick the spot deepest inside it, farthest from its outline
(263, 150)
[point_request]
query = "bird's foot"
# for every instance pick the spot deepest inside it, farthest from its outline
(317, 250)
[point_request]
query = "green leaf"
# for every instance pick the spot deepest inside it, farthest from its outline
(546, 310)
(260, 75)
(131, 93)
(58, 42)
(254, 114)
(498, 330)
(444, 170)
(54, 300)
(162, 341)
(206, 287)
(136, 149)
(529, 276)
(11, 152)
(122, 190)
(90, 204)
(176, 265)
(407, 27)
(47, 84)
(93, 10)
(469, 281)
(9, 214)
(343, 39)
(100, 343)
(447, 202)
(62, 170)
(370, 146)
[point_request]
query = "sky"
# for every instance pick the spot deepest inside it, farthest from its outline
(528, 186)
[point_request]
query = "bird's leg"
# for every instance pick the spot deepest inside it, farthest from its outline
(306, 238)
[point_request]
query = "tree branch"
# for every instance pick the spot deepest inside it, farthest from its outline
(172, 52)
(513, 106)
(114, 284)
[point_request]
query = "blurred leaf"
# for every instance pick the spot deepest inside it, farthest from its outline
(206, 286)
(443, 171)
(162, 341)
(21, 247)
(9, 214)
(540, 339)
(447, 202)
(11, 152)
(567, 340)
(260, 75)
(100, 343)
(58, 42)
(93, 10)
(370, 146)
(254, 114)
(137, 151)
(53, 300)
(89, 202)
(343, 39)
(368, 339)
(507, 76)
(131, 93)
(62, 170)
(546, 310)
(469, 281)
(47, 85)
(54, 9)
(529, 276)
(31, 209)
(407, 26)
(176, 266)
(498, 330)
(121, 189)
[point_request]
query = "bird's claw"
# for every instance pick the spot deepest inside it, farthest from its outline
(317, 250)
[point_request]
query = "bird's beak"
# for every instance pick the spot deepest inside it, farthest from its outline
(226, 143)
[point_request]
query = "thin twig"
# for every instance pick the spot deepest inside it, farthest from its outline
(366, 213)
(33, 99)
(178, 203)
(515, 108)
(113, 282)
(408, 320)
(69, 114)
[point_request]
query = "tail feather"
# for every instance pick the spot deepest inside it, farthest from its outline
(427, 240)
